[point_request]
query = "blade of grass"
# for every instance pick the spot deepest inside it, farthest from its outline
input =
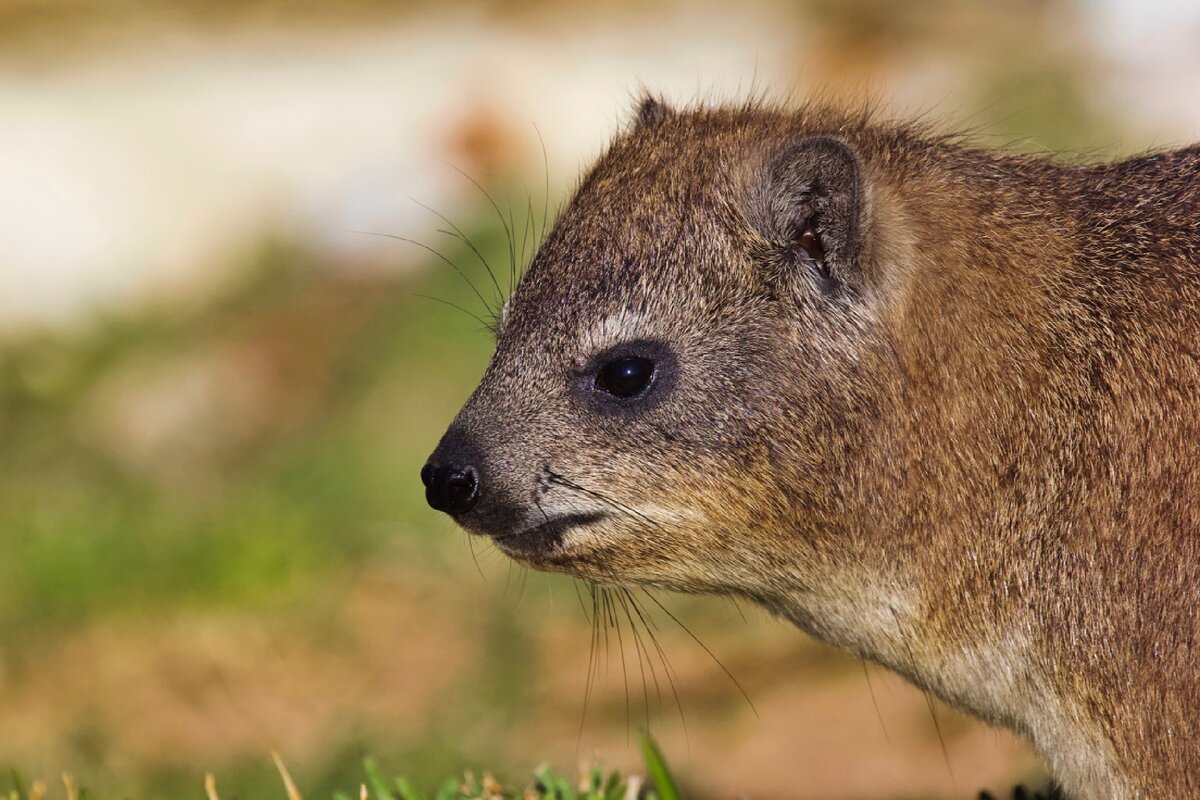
(613, 790)
(375, 778)
(292, 792)
(18, 784)
(656, 765)
(449, 790)
(405, 790)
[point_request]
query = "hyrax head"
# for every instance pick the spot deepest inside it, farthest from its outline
(679, 374)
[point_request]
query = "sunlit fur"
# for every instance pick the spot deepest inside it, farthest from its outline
(975, 462)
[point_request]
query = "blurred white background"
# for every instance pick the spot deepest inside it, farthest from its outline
(141, 156)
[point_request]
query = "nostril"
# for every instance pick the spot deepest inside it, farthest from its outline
(452, 489)
(427, 473)
(461, 479)
(463, 488)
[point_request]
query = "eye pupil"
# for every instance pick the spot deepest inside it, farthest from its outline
(625, 377)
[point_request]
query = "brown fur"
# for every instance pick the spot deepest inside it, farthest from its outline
(971, 455)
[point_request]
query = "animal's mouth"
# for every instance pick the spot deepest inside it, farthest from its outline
(545, 536)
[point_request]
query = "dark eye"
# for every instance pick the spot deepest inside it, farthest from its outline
(625, 377)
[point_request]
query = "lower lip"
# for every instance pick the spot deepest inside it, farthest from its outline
(544, 537)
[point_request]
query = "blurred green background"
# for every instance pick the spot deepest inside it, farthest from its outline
(217, 387)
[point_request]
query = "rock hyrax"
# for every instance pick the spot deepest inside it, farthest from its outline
(936, 405)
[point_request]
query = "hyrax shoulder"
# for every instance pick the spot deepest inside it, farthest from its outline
(936, 405)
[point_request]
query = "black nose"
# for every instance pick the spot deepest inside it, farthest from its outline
(453, 489)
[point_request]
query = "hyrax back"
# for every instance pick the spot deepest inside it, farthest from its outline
(934, 404)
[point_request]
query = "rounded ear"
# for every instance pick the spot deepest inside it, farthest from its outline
(810, 209)
(652, 111)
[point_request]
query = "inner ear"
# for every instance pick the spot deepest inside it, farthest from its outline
(810, 251)
(810, 211)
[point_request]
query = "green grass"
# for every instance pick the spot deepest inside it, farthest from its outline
(373, 784)
(85, 535)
